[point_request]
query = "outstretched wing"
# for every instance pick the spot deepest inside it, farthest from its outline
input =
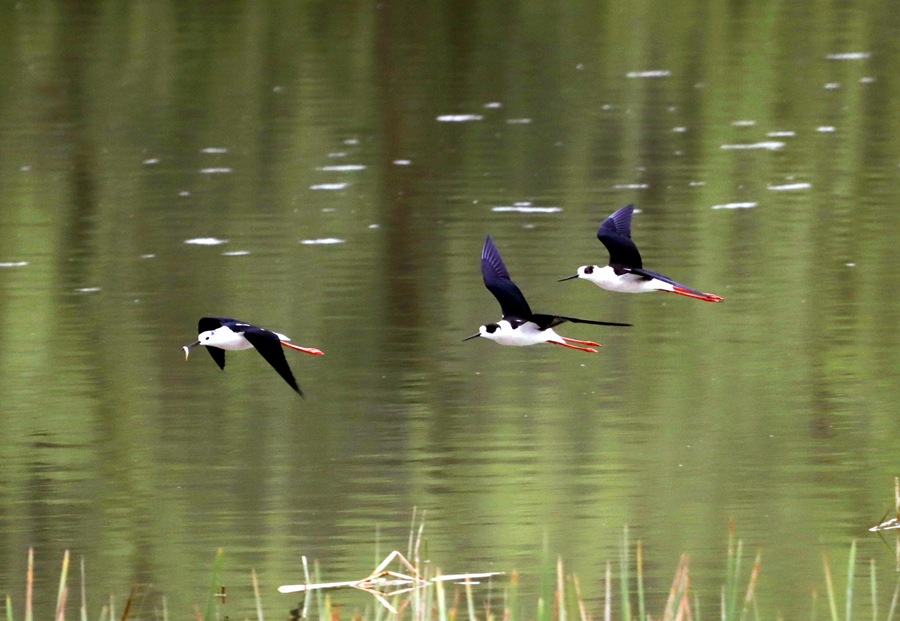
(218, 355)
(269, 347)
(549, 321)
(615, 234)
(211, 323)
(498, 282)
(648, 275)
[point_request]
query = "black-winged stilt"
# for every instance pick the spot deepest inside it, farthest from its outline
(625, 273)
(219, 334)
(519, 325)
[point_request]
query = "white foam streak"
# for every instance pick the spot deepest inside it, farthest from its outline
(206, 241)
(735, 206)
(323, 241)
(769, 145)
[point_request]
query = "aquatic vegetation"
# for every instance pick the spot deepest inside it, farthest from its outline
(411, 586)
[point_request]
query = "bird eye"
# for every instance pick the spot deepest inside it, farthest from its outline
(491, 328)
(589, 269)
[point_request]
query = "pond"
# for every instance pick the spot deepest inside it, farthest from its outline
(330, 171)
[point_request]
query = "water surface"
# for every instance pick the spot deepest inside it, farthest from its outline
(330, 172)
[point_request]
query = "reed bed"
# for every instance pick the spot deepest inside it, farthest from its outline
(411, 590)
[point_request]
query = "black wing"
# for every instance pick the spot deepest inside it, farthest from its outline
(615, 234)
(498, 282)
(218, 355)
(647, 274)
(211, 323)
(549, 321)
(269, 347)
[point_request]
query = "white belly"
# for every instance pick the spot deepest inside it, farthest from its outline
(606, 278)
(224, 338)
(527, 335)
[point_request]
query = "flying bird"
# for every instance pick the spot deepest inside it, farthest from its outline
(519, 326)
(219, 334)
(625, 272)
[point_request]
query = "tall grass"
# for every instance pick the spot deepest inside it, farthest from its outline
(561, 596)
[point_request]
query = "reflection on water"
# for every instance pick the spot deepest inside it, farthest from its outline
(331, 172)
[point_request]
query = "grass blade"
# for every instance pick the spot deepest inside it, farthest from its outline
(829, 588)
(214, 584)
(607, 591)
(851, 563)
(560, 590)
(874, 589)
(61, 593)
(640, 582)
(29, 585)
(83, 593)
(623, 577)
(259, 612)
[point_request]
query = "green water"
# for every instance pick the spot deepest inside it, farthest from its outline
(760, 141)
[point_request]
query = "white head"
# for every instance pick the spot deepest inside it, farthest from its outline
(210, 338)
(588, 272)
(492, 331)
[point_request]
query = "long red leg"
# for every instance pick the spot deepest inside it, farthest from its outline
(706, 297)
(587, 349)
(568, 340)
(306, 350)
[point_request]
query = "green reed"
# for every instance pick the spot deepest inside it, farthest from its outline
(561, 597)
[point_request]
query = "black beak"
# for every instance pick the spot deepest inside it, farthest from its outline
(187, 349)
(474, 336)
(567, 278)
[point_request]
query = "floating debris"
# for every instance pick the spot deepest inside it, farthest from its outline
(894, 522)
(653, 73)
(13, 263)
(744, 123)
(236, 253)
(631, 186)
(402, 162)
(321, 241)
(222, 170)
(493, 105)
(383, 583)
(770, 145)
(87, 290)
(148, 255)
(214, 150)
(832, 86)
(329, 186)
(826, 129)
(735, 206)
(151, 161)
(459, 118)
(206, 241)
(782, 134)
(521, 121)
